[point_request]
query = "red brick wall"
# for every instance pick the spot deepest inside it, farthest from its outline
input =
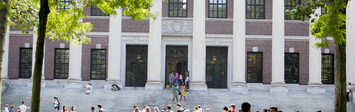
(264, 46)
(86, 55)
(50, 57)
(15, 43)
(100, 25)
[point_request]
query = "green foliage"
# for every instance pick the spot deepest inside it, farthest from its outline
(329, 24)
(67, 24)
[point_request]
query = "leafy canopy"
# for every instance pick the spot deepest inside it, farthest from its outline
(67, 24)
(331, 23)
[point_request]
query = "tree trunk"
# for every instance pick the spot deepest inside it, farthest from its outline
(3, 26)
(37, 74)
(340, 78)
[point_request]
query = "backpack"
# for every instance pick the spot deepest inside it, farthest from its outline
(58, 104)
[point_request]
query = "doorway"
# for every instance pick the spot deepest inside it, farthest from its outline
(176, 61)
(216, 67)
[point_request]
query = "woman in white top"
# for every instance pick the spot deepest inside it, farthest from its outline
(56, 104)
(73, 109)
(88, 89)
(348, 90)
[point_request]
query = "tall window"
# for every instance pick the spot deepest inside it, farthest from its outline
(65, 4)
(217, 8)
(95, 11)
(289, 5)
(255, 67)
(98, 64)
(61, 67)
(255, 9)
(291, 67)
(25, 62)
(177, 8)
(328, 68)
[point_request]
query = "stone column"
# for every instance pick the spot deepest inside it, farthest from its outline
(114, 51)
(238, 83)
(278, 46)
(154, 49)
(75, 54)
(198, 76)
(5, 63)
(315, 61)
(350, 45)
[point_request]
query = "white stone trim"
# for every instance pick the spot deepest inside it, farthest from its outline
(62, 45)
(326, 50)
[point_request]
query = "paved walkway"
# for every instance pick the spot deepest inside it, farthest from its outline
(123, 101)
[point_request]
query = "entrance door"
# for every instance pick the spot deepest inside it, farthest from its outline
(216, 67)
(136, 65)
(176, 66)
(176, 61)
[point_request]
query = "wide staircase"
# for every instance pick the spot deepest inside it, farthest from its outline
(214, 99)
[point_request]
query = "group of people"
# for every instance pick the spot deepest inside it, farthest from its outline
(21, 108)
(57, 107)
(179, 79)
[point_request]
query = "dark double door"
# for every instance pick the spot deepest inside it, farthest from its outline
(216, 67)
(136, 65)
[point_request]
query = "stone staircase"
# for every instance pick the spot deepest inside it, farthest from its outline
(214, 99)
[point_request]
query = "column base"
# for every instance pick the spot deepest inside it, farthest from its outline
(315, 88)
(198, 86)
(154, 85)
(73, 84)
(239, 87)
(279, 87)
(108, 84)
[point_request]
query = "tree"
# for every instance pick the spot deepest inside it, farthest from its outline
(56, 20)
(3, 20)
(332, 23)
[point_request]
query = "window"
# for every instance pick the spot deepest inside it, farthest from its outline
(177, 8)
(95, 11)
(65, 4)
(217, 8)
(255, 67)
(98, 64)
(255, 9)
(25, 62)
(289, 5)
(61, 67)
(291, 67)
(328, 68)
(136, 65)
(324, 10)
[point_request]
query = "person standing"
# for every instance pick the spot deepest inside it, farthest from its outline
(178, 107)
(171, 79)
(181, 79)
(348, 90)
(246, 107)
(56, 104)
(6, 109)
(65, 109)
(12, 108)
(182, 93)
(156, 109)
(144, 108)
(163, 109)
(187, 82)
(136, 109)
(23, 107)
(176, 78)
(73, 109)
(93, 109)
(168, 109)
(174, 91)
(100, 108)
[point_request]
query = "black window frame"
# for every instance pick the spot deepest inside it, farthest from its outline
(27, 67)
(63, 6)
(94, 7)
(332, 69)
(298, 69)
(172, 2)
(254, 5)
(55, 64)
(217, 4)
(291, 6)
(91, 65)
(261, 67)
